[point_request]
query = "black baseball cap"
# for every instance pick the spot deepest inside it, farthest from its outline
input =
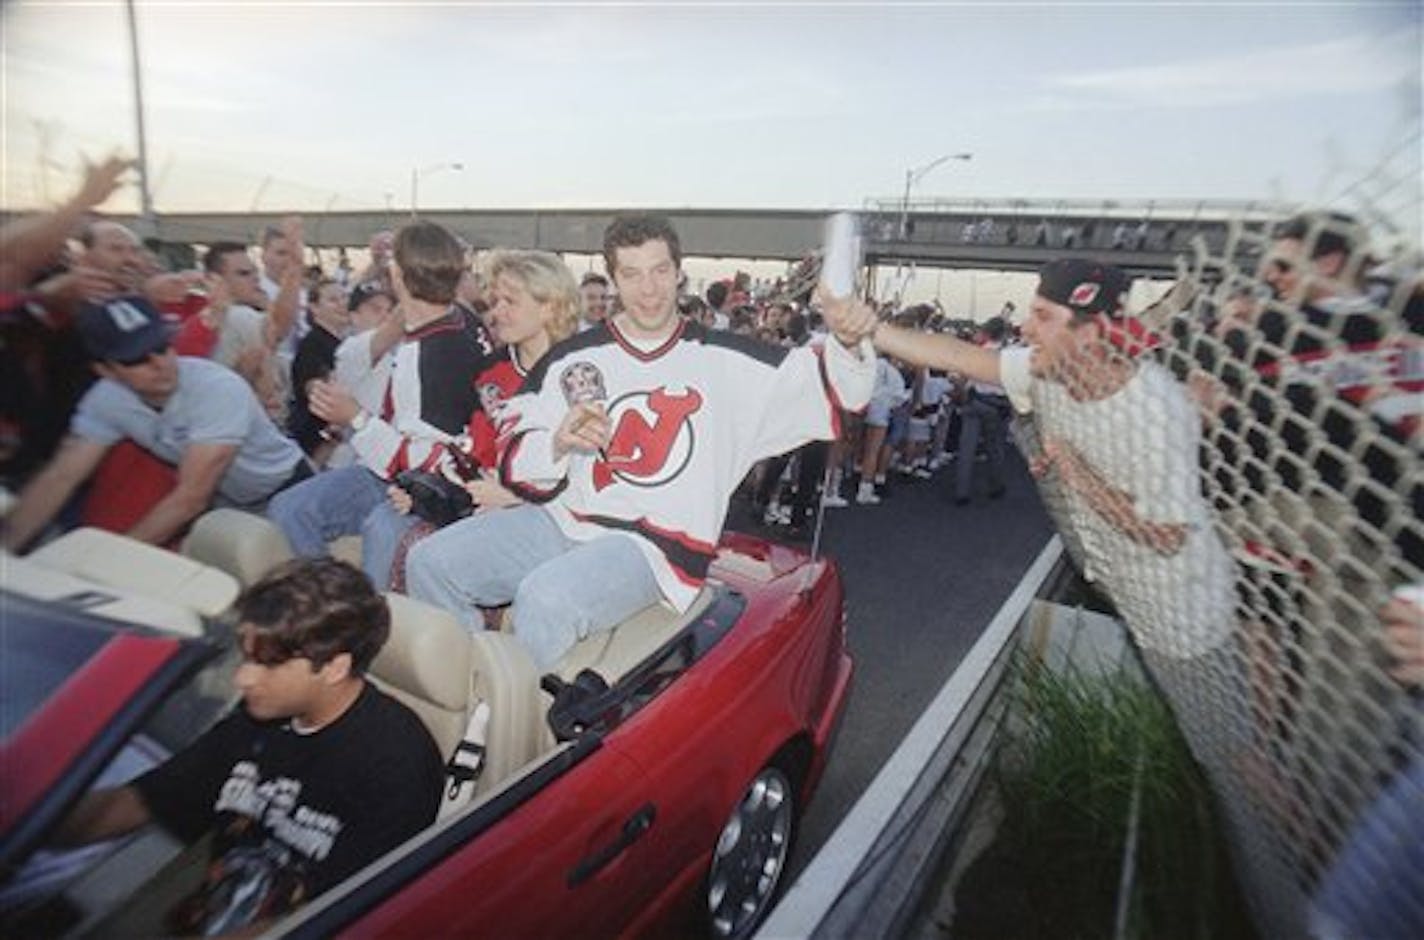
(1084, 286)
(364, 292)
(125, 329)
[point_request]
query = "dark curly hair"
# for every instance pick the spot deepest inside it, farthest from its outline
(317, 608)
(634, 229)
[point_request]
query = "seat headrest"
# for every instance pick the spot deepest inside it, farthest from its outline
(245, 545)
(428, 654)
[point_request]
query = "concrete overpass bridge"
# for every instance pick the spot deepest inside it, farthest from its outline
(1143, 236)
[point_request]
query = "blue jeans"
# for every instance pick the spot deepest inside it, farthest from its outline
(381, 533)
(329, 505)
(562, 590)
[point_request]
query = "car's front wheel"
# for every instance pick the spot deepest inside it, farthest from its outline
(749, 860)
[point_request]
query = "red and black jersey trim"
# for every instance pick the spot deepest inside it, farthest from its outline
(690, 558)
(651, 354)
(525, 491)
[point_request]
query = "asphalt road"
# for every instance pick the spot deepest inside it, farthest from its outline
(923, 578)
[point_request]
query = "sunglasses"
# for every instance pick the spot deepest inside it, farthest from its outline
(141, 359)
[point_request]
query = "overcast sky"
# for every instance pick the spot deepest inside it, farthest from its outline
(305, 105)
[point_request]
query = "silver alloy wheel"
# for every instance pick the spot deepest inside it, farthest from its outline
(750, 855)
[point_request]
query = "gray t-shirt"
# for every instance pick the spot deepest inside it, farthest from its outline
(211, 405)
(242, 328)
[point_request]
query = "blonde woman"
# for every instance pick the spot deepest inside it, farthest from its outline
(535, 305)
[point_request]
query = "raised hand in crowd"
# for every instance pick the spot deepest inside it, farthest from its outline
(283, 313)
(848, 319)
(100, 181)
(381, 246)
(27, 245)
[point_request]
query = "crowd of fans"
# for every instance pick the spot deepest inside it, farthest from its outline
(314, 346)
(1193, 456)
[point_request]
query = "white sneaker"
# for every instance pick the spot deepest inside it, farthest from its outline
(865, 496)
(922, 473)
(834, 501)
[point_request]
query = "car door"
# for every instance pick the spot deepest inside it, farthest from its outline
(557, 853)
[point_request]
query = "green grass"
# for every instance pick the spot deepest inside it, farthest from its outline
(1065, 769)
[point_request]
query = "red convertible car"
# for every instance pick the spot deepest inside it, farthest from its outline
(651, 786)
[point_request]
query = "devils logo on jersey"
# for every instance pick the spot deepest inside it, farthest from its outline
(652, 439)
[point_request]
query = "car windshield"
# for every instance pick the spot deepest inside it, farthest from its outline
(57, 892)
(35, 659)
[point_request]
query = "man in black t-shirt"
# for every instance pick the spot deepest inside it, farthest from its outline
(316, 774)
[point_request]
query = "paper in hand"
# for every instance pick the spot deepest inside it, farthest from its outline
(842, 255)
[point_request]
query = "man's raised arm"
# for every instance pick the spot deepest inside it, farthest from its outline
(282, 315)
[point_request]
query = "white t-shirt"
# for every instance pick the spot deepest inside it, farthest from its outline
(211, 405)
(1143, 439)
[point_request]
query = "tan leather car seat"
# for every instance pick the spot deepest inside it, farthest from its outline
(137, 568)
(612, 653)
(247, 546)
(243, 544)
(438, 669)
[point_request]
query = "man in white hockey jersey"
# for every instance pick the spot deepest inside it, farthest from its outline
(626, 443)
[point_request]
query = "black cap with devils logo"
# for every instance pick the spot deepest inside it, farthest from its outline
(1086, 287)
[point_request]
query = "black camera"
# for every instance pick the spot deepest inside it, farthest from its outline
(434, 498)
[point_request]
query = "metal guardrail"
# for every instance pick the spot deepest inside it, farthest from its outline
(869, 877)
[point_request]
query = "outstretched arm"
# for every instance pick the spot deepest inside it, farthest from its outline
(938, 351)
(42, 499)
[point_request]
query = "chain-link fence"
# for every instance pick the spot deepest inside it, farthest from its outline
(1239, 470)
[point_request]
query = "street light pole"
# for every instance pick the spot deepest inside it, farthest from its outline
(417, 172)
(914, 175)
(145, 195)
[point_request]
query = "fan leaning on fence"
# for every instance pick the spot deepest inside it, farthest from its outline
(1120, 439)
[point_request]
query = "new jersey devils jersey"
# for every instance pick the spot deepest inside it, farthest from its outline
(689, 418)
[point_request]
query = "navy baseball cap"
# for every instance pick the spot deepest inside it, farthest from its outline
(1084, 286)
(125, 329)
